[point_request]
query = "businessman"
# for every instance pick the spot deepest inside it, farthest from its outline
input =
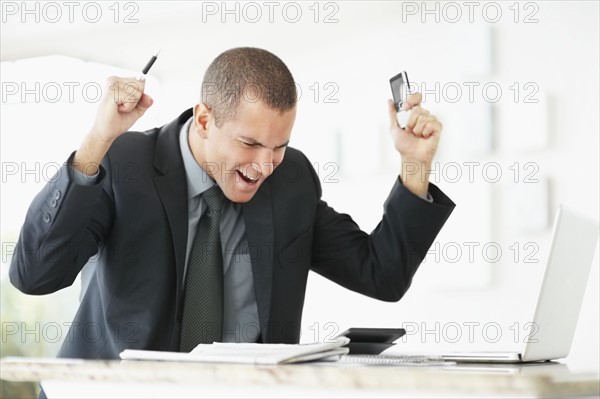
(205, 229)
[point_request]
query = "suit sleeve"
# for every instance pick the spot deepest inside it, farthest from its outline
(381, 264)
(64, 226)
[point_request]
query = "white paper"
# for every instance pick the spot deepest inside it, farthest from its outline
(225, 352)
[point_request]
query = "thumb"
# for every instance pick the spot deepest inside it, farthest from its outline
(145, 102)
(392, 114)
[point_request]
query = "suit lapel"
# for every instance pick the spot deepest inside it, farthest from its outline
(258, 216)
(172, 190)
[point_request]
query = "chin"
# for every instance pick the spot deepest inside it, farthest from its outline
(240, 198)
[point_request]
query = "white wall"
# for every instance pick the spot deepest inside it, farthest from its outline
(553, 58)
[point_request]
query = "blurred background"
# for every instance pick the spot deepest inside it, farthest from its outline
(514, 83)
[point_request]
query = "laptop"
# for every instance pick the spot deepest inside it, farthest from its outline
(571, 253)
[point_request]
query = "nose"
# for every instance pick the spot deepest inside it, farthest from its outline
(266, 162)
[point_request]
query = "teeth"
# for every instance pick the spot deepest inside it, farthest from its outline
(249, 178)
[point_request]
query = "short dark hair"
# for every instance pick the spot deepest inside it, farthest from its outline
(247, 74)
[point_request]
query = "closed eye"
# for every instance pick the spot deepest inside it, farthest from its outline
(255, 144)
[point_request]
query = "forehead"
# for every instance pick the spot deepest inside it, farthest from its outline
(258, 121)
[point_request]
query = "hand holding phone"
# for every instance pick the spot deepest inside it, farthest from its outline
(400, 91)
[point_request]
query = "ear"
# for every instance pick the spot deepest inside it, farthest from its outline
(201, 116)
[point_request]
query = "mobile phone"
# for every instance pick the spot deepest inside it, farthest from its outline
(400, 90)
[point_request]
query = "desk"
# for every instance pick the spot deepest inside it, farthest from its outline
(91, 378)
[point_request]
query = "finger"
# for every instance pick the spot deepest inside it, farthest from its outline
(129, 94)
(415, 113)
(145, 102)
(125, 79)
(422, 121)
(392, 114)
(431, 128)
(412, 100)
(119, 87)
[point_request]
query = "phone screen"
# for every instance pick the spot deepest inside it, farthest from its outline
(399, 85)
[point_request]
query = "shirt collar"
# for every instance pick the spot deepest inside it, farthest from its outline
(198, 180)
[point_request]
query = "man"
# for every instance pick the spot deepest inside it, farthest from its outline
(151, 206)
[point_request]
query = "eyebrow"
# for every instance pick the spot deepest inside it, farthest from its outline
(253, 141)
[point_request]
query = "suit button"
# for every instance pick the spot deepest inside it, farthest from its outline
(56, 194)
(46, 217)
(53, 203)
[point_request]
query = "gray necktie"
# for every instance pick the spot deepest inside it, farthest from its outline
(202, 321)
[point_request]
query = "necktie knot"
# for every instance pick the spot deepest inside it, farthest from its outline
(214, 198)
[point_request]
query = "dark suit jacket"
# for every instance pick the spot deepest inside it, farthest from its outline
(135, 221)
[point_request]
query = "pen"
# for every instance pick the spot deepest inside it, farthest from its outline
(142, 76)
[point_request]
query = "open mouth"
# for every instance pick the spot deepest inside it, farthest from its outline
(248, 179)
